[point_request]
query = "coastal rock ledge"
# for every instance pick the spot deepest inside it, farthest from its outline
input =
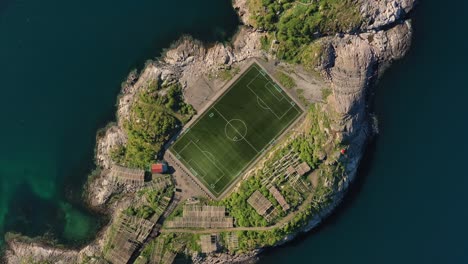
(351, 64)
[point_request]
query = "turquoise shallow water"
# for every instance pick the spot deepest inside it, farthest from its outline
(409, 204)
(61, 65)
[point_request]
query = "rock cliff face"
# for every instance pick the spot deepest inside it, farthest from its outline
(355, 64)
(381, 13)
(352, 65)
(21, 252)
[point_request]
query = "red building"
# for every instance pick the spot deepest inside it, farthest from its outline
(158, 168)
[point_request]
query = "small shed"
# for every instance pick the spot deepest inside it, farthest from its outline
(159, 168)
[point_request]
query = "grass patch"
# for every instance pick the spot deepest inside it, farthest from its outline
(154, 202)
(298, 24)
(325, 93)
(228, 74)
(285, 80)
(265, 42)
(312, 55)
(156, 114)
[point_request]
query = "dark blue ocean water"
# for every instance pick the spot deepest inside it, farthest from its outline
(61, 65)
(410, 202)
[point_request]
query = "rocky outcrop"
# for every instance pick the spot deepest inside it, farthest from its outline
(381, 13)
(185, 62)
(27, 253)
(250, 257)
(356, 62)
(113, 137)
(353, 63)
(241, 7)
(21, 251)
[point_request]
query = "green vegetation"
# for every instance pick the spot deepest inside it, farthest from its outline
(157, 112)
(322, 197)
(226, 139)
(143, 211)
(237, 206)
(110, 236)
(300, 95)
(325, 93)
(298, 23)
(265, 41)
(228, 74)
(285, 80)
(152, 202)
(311, 55)
(312, 146)
(172, 242)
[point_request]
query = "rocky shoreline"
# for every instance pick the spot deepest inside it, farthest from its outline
(351, 65)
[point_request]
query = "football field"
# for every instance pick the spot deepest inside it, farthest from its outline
(221, 144)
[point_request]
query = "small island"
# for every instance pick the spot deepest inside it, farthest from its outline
(222, 150)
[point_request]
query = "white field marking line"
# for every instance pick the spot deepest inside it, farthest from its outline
(257, 155)
(262, 104)
(266, 145)
(206, 111)
(285, 127)
(259, 97)
(213, 159)
(253, 79)
(204, 153)
(190, 167)
(235, 129)
(279, 117)
(209, 154)
(198, 165)
(203, 115)
(219, 180)
(235, 139)
(274, 87)
(180, 151)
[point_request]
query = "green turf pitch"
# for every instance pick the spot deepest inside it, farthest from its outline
(235, 130)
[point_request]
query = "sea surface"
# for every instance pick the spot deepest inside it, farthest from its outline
(61, 66)
(410, 202)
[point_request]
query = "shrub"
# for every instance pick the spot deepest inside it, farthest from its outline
(154, 118)
(299, 24)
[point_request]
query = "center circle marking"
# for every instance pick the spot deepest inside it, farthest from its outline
(235, 129)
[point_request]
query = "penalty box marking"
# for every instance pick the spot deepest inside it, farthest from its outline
(292, 103)
(270, 84)
(178, 155)
(261, 72)
(198, 167)
(213, 185)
